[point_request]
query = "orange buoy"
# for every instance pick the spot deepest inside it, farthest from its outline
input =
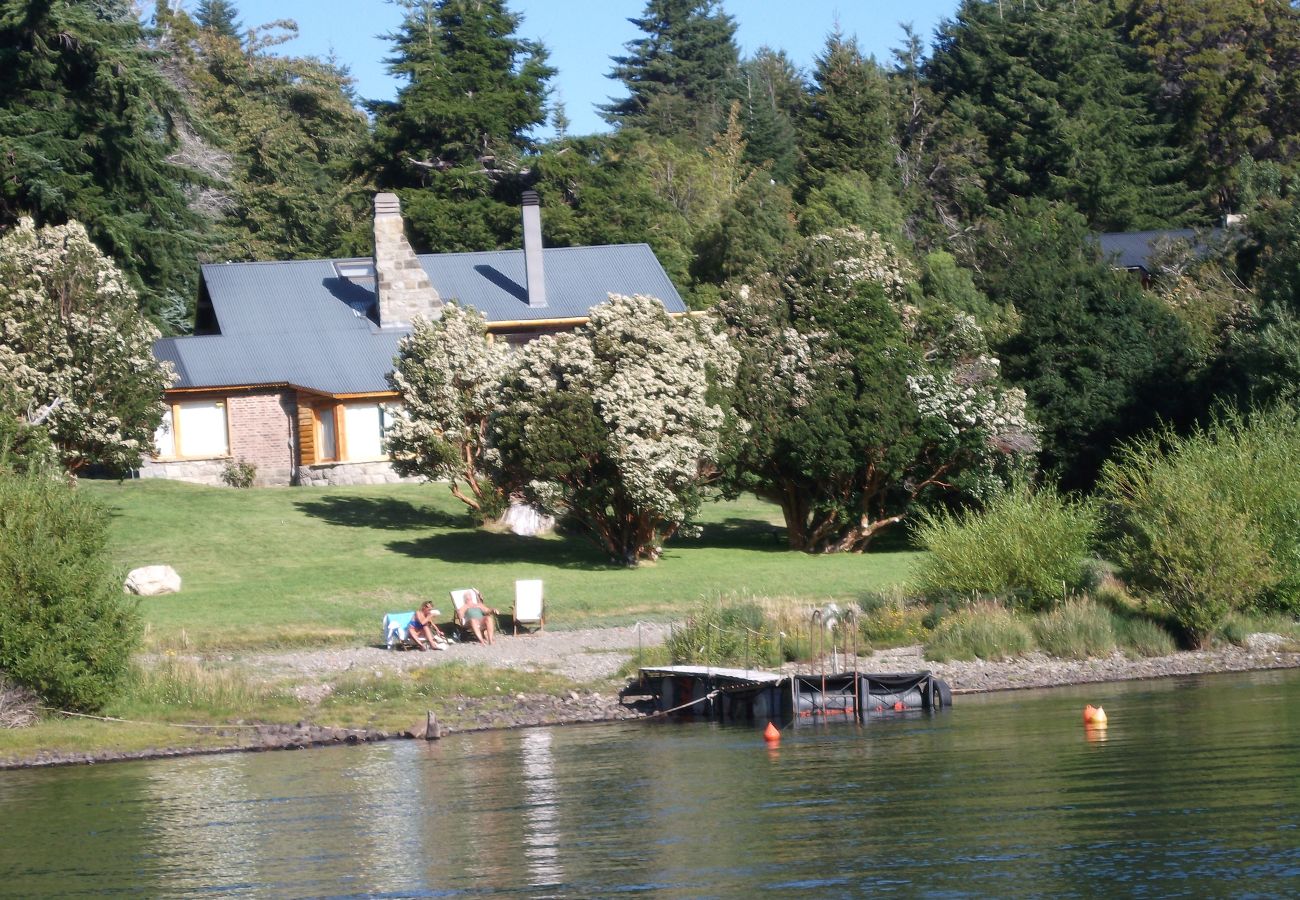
(771, 734)
(1094, 715)
(898, 706)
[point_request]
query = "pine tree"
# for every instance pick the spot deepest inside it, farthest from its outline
(87, 126)
(219, 17)
(847, 123)
(288, 134)
(1230, 75)
(772, 96)
(472, 92)
(680, 77)
(1065, 110)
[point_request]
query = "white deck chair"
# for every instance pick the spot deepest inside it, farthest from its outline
(528, 609)
(458, 600)
(395, 625)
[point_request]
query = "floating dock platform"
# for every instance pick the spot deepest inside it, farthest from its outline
(744, 695)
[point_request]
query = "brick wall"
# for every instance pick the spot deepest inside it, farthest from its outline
(262, 432)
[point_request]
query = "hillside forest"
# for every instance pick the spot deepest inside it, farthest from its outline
(977, 168)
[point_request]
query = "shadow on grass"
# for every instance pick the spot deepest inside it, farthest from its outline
(380, 513)
(481, 547)
(736, 533)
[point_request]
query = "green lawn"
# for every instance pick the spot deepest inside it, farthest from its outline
(279, 566)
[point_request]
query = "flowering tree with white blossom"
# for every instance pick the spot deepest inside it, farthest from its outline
(616, 427)
(75, 353)
(858, 400)
(449, 376)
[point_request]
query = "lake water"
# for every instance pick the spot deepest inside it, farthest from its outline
(1194, 791)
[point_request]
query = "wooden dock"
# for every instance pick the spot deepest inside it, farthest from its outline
(755, 695)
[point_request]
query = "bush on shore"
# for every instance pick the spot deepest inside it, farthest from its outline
(1205, 524)
(983, 631)
(66, 630)
(1028, 545)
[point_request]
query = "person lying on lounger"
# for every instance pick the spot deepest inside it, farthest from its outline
(424, 631)
(478, 616)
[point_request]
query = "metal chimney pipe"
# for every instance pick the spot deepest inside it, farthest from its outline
(534, 273)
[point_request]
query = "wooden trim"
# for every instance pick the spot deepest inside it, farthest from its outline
(306, 435)
(571, 321)
(366, 395)
(225, 388)
(177, 454)
(537, 323)
(340, 432)
(176, 431)
(222, 390)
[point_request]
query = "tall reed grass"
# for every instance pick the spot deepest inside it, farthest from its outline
(1029, 545)
(984, 631)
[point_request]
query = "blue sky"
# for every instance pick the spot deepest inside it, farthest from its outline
(583, 34)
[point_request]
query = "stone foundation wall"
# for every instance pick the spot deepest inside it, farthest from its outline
(331, 474)
(196, 471)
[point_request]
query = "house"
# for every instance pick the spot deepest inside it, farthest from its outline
(287, 367)
(1139, 252)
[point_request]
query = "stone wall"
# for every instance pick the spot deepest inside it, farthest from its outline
(330, 474)
(196, 471)
(262, 432)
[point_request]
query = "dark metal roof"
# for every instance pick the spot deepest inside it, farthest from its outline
(299, 322)
(577, 278)
(1134, 249)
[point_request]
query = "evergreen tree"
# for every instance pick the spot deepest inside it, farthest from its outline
(848, 123)
(680, 77)
(1230, 74)
(472, 91)
(219, 17)
(772, 96)
(1066, 110)
(459, 130)
(1100, 359)
(87, 126)
(288, 134)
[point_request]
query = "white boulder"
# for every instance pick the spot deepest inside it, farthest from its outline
(149, 581)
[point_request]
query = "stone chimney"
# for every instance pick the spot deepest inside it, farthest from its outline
(534, 273)
(401, 286)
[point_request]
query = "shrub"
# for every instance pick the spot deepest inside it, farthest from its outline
(1193, 531)
(1140, 636)
(1079, 629)
(720, 633)
(66, 629)
(185, 683)
(239, 473)
(1026, 544)
(891, 620)
(984, 631)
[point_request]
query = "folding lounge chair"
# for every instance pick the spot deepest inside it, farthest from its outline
(395, 629)
(528, 608)
(458, 600)
(397, 634)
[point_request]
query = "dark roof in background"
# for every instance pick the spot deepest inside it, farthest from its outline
(298, 322)
(1134, 249)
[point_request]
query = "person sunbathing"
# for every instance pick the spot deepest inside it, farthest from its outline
(479, 616)
(424, 631)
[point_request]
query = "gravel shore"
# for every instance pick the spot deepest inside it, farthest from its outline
(592, 657)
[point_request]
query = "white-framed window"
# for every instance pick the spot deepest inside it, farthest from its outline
(193, 429)
(364, 426)
(164, 439)
(327, 443)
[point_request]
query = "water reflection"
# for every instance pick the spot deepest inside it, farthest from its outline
(541, 812)
(1191, 785)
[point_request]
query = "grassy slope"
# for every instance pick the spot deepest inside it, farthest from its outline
(293, 565)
